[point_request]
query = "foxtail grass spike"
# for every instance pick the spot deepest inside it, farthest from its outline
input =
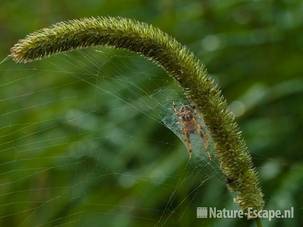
(148, 41)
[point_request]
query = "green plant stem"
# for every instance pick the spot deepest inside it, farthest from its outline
(231, 150)
(258, 222)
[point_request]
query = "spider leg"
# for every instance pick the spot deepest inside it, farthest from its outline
(204, 138)
(187, 142)
(175, 107)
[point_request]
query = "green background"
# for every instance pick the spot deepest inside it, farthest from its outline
(86, 139)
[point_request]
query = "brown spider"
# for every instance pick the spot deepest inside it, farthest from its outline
(187, 120)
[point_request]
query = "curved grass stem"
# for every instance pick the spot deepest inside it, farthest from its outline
(231, 150)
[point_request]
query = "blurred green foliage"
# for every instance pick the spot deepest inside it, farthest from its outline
(81, 137)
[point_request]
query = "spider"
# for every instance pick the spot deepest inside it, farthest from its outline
(189, 124)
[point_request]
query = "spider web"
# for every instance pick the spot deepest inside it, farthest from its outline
(80, 144)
